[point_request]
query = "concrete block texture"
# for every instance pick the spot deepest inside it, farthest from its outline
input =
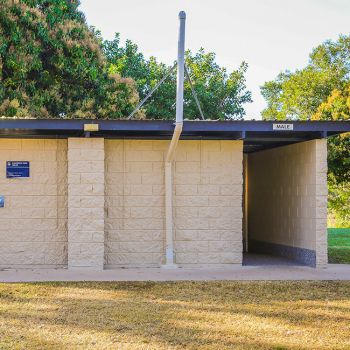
(91, 202)
(208, 177)
(287, 197)
(207, 198)
(134, 202)
(33, 223)
(86, 190)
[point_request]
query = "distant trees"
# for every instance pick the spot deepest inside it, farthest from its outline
(337, 107)
(298, 95)
(52, 64)
(222, 95)
(320, 91)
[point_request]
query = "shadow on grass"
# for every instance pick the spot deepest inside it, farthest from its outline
(192, 332)
(177, 315)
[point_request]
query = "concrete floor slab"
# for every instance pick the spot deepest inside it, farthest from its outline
(241, 273)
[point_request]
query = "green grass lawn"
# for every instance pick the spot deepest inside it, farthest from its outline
(175, 316)
(339, 245)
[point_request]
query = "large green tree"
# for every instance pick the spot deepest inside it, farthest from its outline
(297, 95)
(320, 91)
(52, 64)
(222, 94)
(337, 107)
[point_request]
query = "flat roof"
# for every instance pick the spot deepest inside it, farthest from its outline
(257, 135)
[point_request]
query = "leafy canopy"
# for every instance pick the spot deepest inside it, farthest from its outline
(298, 95)
(337, 107)
(320, 91)
(222, 95)
(52, 64)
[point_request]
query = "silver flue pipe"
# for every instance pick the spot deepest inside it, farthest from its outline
(169, 253)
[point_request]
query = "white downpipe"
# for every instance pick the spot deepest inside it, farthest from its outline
(169, 237)
(174, 141)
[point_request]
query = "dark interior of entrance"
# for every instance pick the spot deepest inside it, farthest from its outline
(277, 204)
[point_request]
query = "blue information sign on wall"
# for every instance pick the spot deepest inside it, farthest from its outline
(2, 201)
(16, 169)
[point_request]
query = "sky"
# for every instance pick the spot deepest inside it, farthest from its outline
(270, 35)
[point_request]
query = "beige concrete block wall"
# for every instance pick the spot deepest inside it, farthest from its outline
(288, 197)
(33, 223)
(207, 202)
(86, 203)
(134, 202)
(103, 202)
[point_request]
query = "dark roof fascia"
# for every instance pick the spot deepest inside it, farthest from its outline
(61, 125)
(256, 134)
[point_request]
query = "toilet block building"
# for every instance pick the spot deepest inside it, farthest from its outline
(96, 194)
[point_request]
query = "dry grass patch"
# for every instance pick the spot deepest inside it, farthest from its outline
(179, 315)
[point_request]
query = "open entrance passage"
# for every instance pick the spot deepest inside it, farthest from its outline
(285, 205)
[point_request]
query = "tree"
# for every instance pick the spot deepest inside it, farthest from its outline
(297, 95)
(52, 64)
(222, 95)
(320, 91)
(337, 107)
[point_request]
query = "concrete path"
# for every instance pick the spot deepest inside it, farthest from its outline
(244, 273)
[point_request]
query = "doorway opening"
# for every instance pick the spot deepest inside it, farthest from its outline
(277, 203)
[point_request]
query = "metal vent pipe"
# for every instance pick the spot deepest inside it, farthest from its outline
(180, 68)
(169, 239)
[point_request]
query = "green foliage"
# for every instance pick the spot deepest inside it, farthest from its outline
(298, 95)
(320, 91)
(338, 201)
(52, 65)
(337, 107)
(222, 95)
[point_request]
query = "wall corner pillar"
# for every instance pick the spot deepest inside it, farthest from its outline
(321, 203)
(86, 189)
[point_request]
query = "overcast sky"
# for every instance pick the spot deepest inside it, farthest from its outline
(270, 35)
